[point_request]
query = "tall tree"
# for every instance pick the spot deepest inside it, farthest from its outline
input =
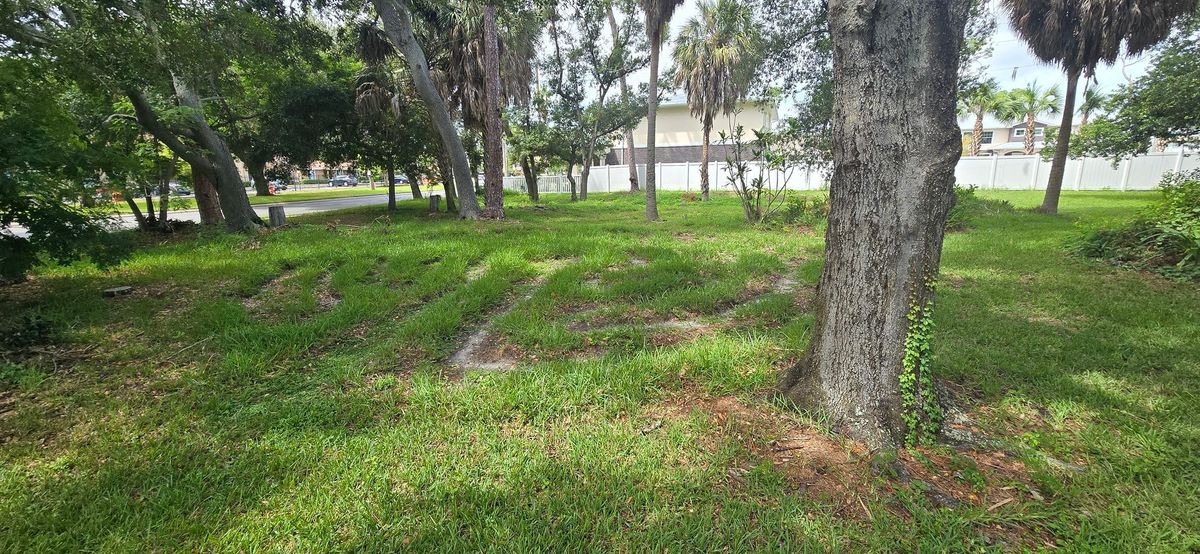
(630, 153)
(166, 58)
(658, 18)
(895, 145)
(714, 63)
(1079, 34)
(397, 23)
(608, 64)
(1025, 104)
(982, 100)
(493, 135)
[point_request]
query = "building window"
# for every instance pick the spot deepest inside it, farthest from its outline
(1037, 132)
(986, 137)
(1018, 133)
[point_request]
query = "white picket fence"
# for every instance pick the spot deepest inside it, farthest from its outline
(987, 172)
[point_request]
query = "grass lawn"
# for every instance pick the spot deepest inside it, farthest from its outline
(305, 192)
(304, 390)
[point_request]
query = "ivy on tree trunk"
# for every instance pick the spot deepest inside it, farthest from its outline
(895, 144)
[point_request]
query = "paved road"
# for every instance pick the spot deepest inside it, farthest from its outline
(291, 208)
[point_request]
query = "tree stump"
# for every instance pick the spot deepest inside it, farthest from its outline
(276, 216)
(435, 203)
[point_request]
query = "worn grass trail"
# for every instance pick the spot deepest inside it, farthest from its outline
(292, 391)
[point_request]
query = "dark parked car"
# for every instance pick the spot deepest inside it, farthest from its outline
(400, 180)
(344, 181)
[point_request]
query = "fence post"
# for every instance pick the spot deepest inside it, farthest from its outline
(687, 168)
(1179, 159)
(1125, 173)
(992, 172)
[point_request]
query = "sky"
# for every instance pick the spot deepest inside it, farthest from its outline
(1011, 62)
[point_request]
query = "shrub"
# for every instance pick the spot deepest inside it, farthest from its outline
(968, 206)
(1164, 237)
(805, 209)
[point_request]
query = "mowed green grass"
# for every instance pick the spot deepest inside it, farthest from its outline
(290, 392)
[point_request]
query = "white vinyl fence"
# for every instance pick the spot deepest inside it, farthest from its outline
(986, 172)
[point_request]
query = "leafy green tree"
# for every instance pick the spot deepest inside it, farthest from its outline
(715, 58)
(168, 58)
(50, 171)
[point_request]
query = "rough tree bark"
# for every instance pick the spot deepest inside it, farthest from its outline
(235, 205)
(629, 152)
(493, 134)
(895, 144)
(1059, 166)
(206, 197)
(651, 116)
(397, 23)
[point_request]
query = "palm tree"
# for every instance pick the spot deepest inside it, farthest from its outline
(714, 63)
(398, 25)
(1078, 35)
(1025, 104)
(985, 99)
(658, 16)
(1091, 102)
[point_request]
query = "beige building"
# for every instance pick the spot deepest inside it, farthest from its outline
(679, 135)
(1001, 138)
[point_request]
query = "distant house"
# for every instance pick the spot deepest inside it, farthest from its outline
(679, 136)
(1001, 138)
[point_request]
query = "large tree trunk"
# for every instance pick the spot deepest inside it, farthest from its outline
(493, 134)
(206, 197)
(895, 145)
(1059, 166)
(235, 205)
(258, 173)
(414, 180)
(531, 183)
(651, 116)
(629, 152)
(704, 158)
(397, 23)
(391, 177)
